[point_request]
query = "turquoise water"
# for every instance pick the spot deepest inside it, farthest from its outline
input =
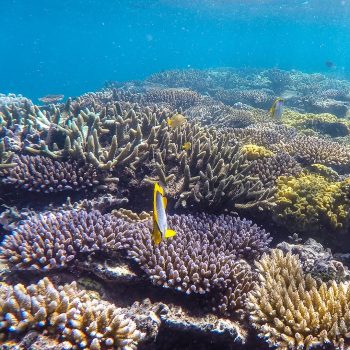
(70, 47)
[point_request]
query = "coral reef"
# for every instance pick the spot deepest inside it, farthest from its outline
(203, 257)
(291, 311)
(269, 169)
(323, 123)
(309, 203)
(310, 150)
(52, 240)
(254, 152)
(317, 261)
(43, 174)
(176, 98)
(66, 312)
(76, 183)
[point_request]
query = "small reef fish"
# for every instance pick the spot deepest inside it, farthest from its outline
(176, 120)
(277, 108)
(51, 98)
(160, 224)
(186, 146)
(329, 64)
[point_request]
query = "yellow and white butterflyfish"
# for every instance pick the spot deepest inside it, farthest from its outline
(160, 224)
(176, 120)
(276, 110)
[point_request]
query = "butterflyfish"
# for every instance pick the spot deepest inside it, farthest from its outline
(160, 224)
(277, 108)
(186, 146)
(176, 120)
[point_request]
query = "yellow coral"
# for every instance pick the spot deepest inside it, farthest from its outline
(292, 312)
(310, 202)
(254, 152)
(310, 123)
(324, 171)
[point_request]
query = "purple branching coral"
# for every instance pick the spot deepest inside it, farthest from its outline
(209, 254)
(43, 174)
(203, 257)
(51, 240)
(268, 169)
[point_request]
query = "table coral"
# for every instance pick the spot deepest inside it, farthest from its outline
(308, 202)
(43, 174)
(292, 312)
(67, 313)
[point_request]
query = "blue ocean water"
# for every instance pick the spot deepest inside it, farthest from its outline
(70, 47)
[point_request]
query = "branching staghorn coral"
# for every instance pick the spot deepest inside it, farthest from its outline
(212, 173)
(53, 240)
(43, 174)
(176, 98)
(292, 312)
(309, 203)
(136, 143)
(68, 314)
(203, 257)
(310, 150)
(269, 169)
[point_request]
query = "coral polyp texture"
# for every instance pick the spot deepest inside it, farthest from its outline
(310, 150)
(309, 203)
(290, 311)
(254, 152)
(204, 257)
(269, 169)
(67, 313)
(177, 98)
(43, 174)
(52, 240)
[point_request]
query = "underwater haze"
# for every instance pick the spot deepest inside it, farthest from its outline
(70, 47)
(175, 175)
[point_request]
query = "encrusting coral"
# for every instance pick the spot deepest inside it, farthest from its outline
(323, 123)
(309, 202)
(292, 312)
(254, 152)
(68, 314)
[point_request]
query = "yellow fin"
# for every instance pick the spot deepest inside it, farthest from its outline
(169, 122)
(165, 202)
(156, 236)
(170, 233)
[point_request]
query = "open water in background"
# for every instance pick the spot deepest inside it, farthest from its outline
(73, 46)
